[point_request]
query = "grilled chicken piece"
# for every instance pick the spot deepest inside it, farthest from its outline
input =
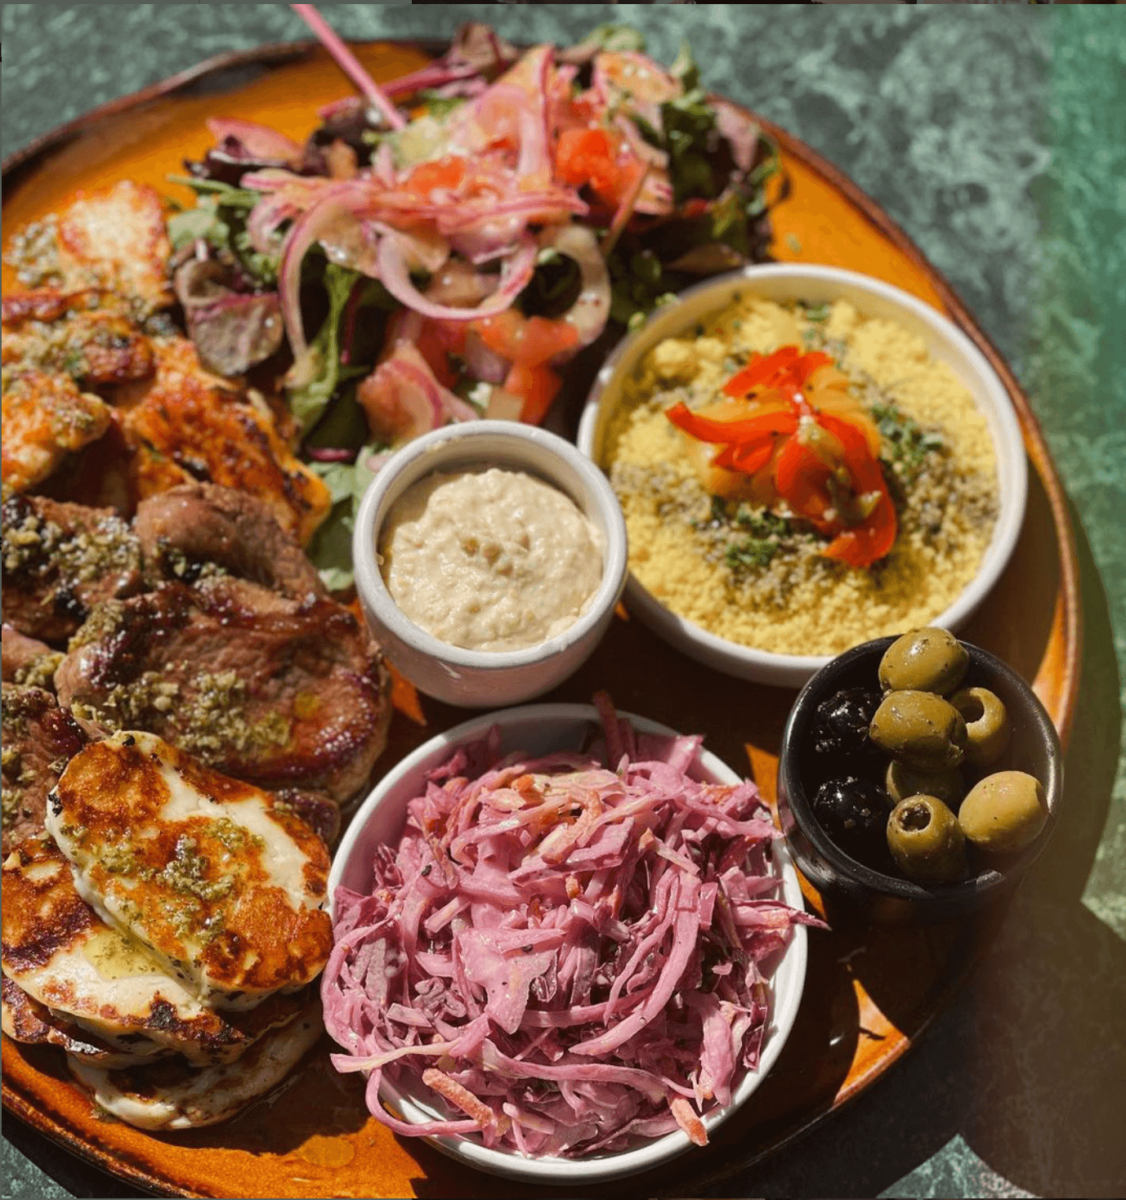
(281, 692)
(39, 739)
(226, 890)
(64, 956)
(45, 418)
(113, 239)
(171, 1095)
(27, 660)
(60, 560)
(188, 424)
(86, 335)
(187, 529)
(26, 1020)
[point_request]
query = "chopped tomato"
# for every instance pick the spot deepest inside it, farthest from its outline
(536, 386)
(436, 341)
(592, 157)
(445, 172)
(527, 341)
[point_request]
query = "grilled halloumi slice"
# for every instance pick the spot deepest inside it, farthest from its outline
(26, 1020)
(222, 885)
(65, 957)
(171, 1095)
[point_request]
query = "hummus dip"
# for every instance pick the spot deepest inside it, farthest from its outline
(489, 560)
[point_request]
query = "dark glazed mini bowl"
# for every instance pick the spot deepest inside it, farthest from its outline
(892, 899)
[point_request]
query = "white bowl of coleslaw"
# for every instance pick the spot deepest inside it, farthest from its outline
(534, 731)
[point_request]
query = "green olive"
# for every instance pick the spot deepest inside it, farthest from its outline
(987, 724)
(920, 730)
(925, 840)
(924, 660)
(902, 781)
(1004, 812)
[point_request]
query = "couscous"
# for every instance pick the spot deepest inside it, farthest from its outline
(754, 567)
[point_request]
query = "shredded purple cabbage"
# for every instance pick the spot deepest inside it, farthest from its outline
(567, 951)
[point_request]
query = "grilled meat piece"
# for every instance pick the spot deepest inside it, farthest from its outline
(319, 811)
(87, 335)
(113, 239)
(26, 1020)
(186, 424)
(62, 954)
(39, 739)
(27, 660)
(173, 1095)
(60, 560)
(277, 691)
(45, 417)
(188, 529)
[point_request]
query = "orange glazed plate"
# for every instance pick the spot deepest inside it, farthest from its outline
(860, 1011)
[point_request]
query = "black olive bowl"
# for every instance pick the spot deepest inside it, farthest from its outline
(883, 896)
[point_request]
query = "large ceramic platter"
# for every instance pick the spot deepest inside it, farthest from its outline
(869, 994)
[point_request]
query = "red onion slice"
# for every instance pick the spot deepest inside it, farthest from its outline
(396, 279)
(260, 141)
(591, 310)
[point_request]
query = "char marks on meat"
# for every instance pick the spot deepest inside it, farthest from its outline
(60, 561)
(186, 423)
(276, 691)
(189, 529)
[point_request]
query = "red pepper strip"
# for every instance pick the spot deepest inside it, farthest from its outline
(800, 477)
(787, 369)
(863, 544)
(747, 459)
(745, 429)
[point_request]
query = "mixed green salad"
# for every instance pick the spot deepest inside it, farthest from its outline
(442, 246)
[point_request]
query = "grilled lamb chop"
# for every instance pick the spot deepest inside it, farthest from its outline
(60, 560)
(187, 529)
(39, 739)
(269, 689)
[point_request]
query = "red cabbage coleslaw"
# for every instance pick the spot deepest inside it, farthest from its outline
(567, 955)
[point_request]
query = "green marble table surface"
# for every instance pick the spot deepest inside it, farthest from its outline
(995, 137)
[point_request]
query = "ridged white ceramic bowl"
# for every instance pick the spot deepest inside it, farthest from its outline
(543, 729)
(785, 282)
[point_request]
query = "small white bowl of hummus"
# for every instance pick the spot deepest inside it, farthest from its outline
(489, 557)
(807, 458)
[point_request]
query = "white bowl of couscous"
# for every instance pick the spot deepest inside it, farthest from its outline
(769, 572)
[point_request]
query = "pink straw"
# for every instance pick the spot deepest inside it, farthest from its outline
(349, 64)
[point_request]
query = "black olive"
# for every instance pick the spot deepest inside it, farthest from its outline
(854, 813)
(840, 726)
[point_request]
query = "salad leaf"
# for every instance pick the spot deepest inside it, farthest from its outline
(318, 378)
(312, 388)
(615, 38)
(331, 547)
(219, 218)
